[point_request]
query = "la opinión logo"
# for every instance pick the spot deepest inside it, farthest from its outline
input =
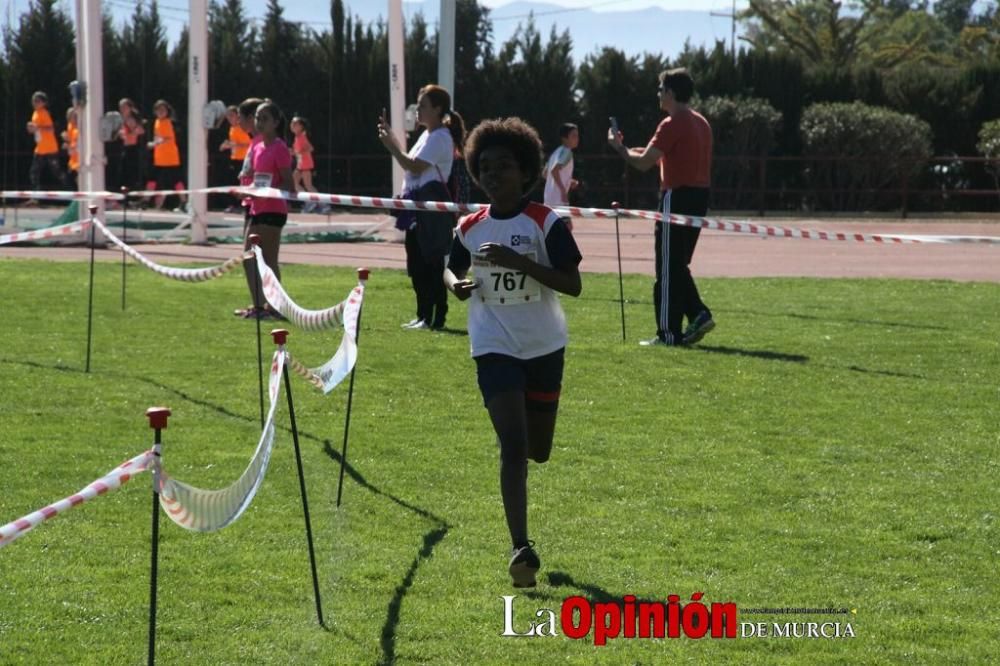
(578, 618)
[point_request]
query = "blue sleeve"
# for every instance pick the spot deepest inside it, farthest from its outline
(561, 247)
(460, 260)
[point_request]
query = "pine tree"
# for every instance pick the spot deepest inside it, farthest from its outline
(232, 43)
(146, 60)
(279, 44)
(42, 56)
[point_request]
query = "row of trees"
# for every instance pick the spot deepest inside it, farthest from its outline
(941, 67)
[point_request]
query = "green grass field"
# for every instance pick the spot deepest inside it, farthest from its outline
(834, 443)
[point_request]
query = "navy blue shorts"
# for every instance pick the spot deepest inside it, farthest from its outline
(539, 378)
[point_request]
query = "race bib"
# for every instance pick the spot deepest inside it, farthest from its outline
(262, 180)
(504, 286)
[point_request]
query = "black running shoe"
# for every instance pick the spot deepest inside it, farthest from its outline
(524, 564)
(697, 329)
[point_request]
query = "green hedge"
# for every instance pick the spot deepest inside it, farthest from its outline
(865, 154)
(743, 128)
(989, 147)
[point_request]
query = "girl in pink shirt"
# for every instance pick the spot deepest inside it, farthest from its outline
(270, 166)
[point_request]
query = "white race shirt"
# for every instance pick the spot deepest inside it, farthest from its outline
(509, 312)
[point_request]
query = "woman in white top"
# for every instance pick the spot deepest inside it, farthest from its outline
(427, 167)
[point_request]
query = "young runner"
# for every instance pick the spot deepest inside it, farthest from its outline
(521, 254)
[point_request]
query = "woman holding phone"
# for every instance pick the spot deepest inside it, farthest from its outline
(426, 167)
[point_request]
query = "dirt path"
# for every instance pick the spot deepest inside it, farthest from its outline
(719, 254)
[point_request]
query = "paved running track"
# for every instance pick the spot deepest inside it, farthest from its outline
(719, 254)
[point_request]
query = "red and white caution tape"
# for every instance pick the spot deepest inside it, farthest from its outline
(110, 481)
(47, 233)
(201, 510)
(731, 226)
(58, 195)
(182, 274)
(351, 200)
(305, 372)
(190, 507)
(327, 376)
(345, 313)
(310, 320)
(718, 224)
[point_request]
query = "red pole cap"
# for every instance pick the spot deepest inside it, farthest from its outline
(124, 190)
(279, 335)
(363, 273)
(616, 204)
(254, 239)
(157, 417)
(93, 209)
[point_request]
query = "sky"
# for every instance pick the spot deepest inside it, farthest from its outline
(174, 14)
(618, 5)
(306, 9)
(174, 11)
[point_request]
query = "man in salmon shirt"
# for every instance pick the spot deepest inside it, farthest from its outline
(46, 147)
(682, 146)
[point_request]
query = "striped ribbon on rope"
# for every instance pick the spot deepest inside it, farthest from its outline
(113, 480)
(274, 292)
(182, 274)
(728, 226)
(345, 313)
(47, 233)
(59, 195)
(305, 372)
(202, 510)
(327, 376)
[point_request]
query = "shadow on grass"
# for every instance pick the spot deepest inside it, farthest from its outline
(327, 446)
(361, 481)
(799, 358)
(447, 330)
(753, 353)
(859, 322)
(388, 640)
(884, 373)
(788, 315)
(593, 593)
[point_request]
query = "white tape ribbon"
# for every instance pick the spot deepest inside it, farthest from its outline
(201, 510)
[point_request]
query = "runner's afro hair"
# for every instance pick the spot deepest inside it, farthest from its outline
(512, 133)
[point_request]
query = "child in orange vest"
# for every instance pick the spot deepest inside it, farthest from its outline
(166, 156)
(71, 139)
(46, 157)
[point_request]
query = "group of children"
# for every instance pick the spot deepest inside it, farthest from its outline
(166, 160)
(46, 158)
